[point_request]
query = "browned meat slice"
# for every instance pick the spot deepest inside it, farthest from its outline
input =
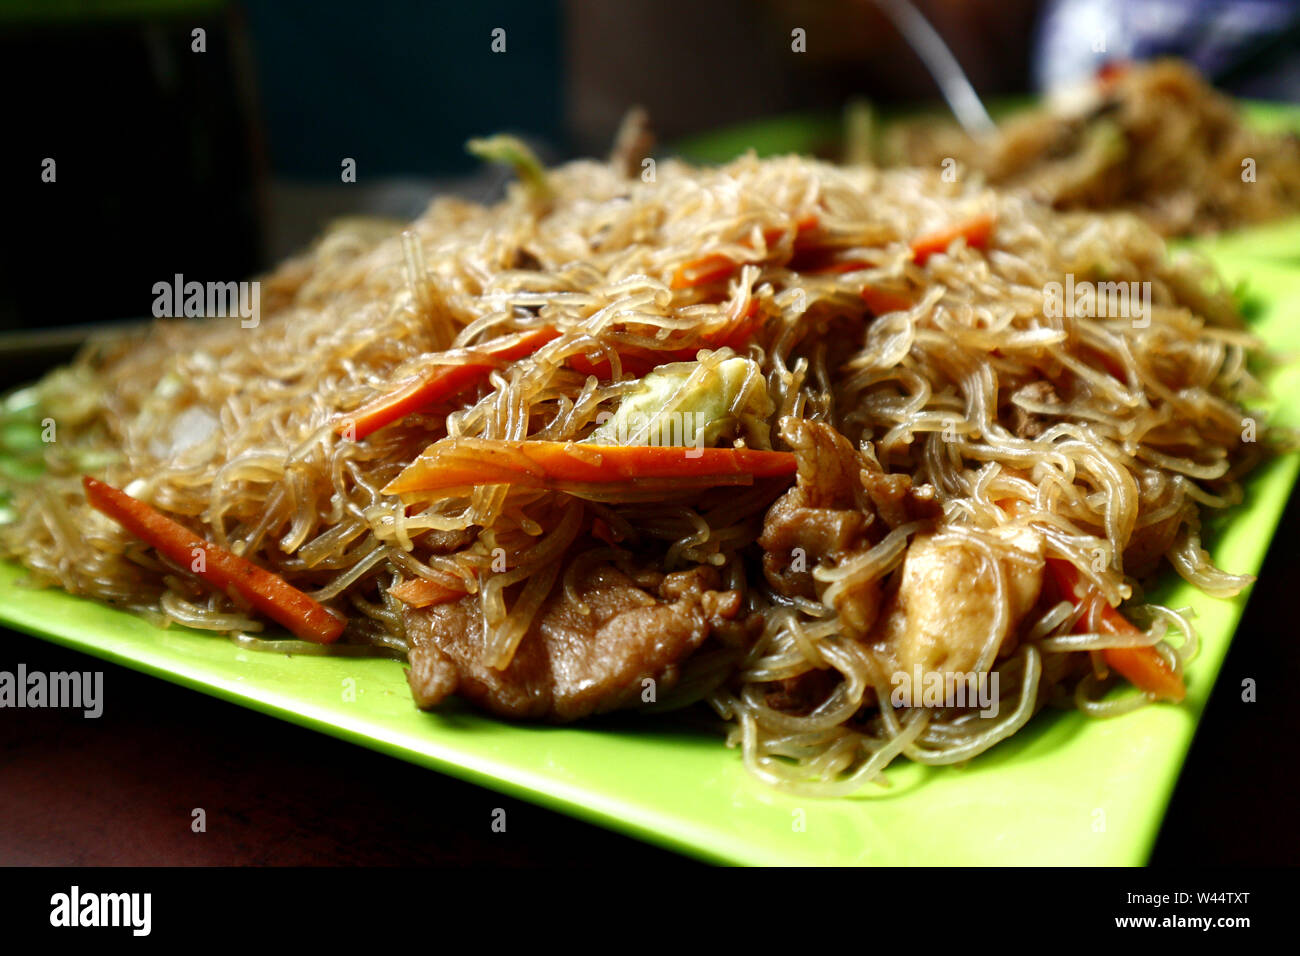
(1024, 423)
(896, 500)
(1150, 543)
(582, 656)
(830, 515)
(824, 516)
(801, 695)
(446, 542)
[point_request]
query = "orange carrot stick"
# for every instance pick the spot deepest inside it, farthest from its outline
(1145, 669)
(466, 463)
(880, 301)
(975, 231)
(439, 383)
(705, 269)
(1141, 666)
(636, 364)
(421, 592)
(269, 593)
(715, 265)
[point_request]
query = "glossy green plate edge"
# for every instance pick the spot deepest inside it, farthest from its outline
(1064, 790)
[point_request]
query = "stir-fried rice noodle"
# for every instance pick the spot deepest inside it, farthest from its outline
(233, 430)
(1154, 139)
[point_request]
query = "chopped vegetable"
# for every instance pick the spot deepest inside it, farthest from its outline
(821, 261)
(1104, 144)
(699, 418)
(268, 593)
(421, 592)
(601, 531)
(466, 463)
(859, 133)
(801, 228)
(881, 301)
(1142, 666)
(975, 231)
(705, 269)
(515, 152)
(634, 364)
(735, 335)
(715, 265)
(441, 382)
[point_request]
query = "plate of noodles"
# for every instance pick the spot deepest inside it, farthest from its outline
(780, 511)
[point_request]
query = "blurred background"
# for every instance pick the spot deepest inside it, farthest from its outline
(208, 138)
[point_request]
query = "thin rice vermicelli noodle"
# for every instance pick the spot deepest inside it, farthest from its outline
(1013, 437)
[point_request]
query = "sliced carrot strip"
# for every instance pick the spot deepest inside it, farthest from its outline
(976, 232)
(634, 364)
(734, 335)
(705, 269)
(716, 266)
(1141, 666)
(439, 383)
(1146, 669)
(469, 462)
(269, 593)
(880, 301)
(421, 592)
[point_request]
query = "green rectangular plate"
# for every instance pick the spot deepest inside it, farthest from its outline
(1065, 790)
